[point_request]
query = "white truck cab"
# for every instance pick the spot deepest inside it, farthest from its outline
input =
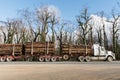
(100, 53)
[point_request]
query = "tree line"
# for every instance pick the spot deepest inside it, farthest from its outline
(45, 24)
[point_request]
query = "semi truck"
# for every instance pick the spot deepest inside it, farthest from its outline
(47, 51)
(87, 53)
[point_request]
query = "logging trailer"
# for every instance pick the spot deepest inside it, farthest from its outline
(37, 51)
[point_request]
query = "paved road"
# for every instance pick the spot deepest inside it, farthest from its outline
(64, 62)
(60, 70)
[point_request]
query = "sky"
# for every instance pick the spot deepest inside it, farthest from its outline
(69, 9)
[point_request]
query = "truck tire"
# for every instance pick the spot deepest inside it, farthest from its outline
(66, 57)
(47, 59)
(81, 58)
(41, 59)
(9, 59)
(53, 59)
(87, 58)
(2, 59)
(110, 59)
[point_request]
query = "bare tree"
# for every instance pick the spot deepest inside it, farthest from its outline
(61, 38)
(46, 15)
(53, 21)
(18, 37)
(13, 31)
(99, 35)
(83, 23)
(115, 29)
(69, 33)
(28, 18)
(43, 16)
(10, 31)
(90, 35)
(105, 40)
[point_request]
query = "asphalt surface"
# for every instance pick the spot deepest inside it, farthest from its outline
(97, 70)
(63, 62)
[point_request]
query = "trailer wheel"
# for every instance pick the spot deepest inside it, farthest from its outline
(66, 57)
(28, 59)
(9, 59)
(47, 59)
(81, 58)
(110, 59)
(88, 58)
(53, 59)
(41, 59)
(2, 59)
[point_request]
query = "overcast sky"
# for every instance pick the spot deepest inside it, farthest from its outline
(68, 8)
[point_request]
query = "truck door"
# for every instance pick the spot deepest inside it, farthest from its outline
(102, 52)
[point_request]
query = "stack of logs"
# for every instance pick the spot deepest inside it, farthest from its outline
(39, 47)
(10, 48)
(67, 48)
